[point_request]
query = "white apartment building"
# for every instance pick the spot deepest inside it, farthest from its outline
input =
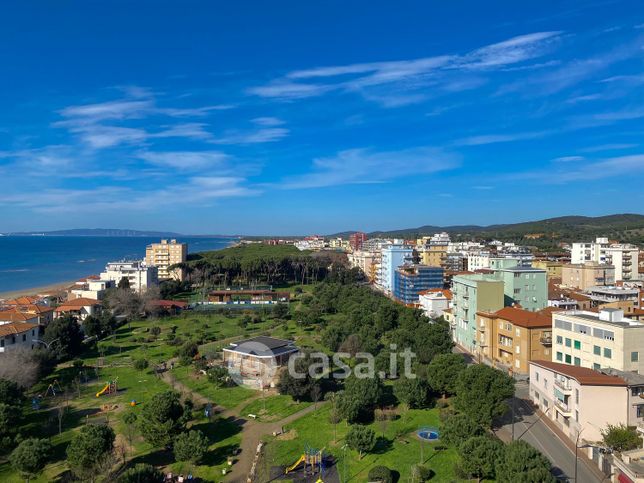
(478, 260)
(16, 335)
(598, 340)
(91, 289)
(624, 257)
(362, 260)
(434, 302)
(139, 275)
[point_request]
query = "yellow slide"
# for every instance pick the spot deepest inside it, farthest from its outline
(295, 465)
(102, 390)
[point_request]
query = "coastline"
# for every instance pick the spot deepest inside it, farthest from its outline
(12, 294)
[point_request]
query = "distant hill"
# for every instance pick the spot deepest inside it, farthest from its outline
(549, 232)
(98, 232)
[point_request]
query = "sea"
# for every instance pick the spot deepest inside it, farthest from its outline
(37, 261)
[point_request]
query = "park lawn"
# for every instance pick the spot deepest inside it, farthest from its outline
(273, 408)
(226, 397)
(399, 449)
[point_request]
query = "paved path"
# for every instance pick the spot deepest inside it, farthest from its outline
(251, 431)
(536, 429)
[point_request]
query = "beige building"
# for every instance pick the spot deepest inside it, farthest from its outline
(585, 275)
(579, 400)
(552, 267)
(513, 337)
(364, 261)
(165, 254)
(598, 340)
(434, 255)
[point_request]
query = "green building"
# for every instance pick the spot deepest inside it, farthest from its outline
(526, 286)
(472, 294)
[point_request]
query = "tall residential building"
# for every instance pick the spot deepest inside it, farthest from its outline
(472, 294)
(393, 256)
(513, 337)
(525, 286)
(139, 275)
(165, 254)
(624, 257)
(586, 275)
(598, 340)
(356, 240)
(411, 280)
(364, 261)
(434, 255)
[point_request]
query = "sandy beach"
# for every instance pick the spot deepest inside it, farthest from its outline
(35, 290)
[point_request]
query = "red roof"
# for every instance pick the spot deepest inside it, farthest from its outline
(15, 328)
(446, 293)
(14, 315)
(583, 375)
(524, 318)
(169, 303)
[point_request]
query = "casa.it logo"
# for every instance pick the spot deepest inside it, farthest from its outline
(252, 365)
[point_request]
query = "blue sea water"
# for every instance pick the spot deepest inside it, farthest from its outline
(36, 261)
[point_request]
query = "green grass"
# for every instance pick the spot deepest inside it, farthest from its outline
(399, 449)
(273, 408)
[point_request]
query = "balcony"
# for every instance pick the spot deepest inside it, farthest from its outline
(563, 408)
(546, 340)
(563, 386)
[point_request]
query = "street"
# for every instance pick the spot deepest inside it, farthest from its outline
(541, 437)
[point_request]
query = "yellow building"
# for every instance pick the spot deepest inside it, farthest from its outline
(434, 256)
(586, 275)
(165, 254)
(512, 337)
(552, 268)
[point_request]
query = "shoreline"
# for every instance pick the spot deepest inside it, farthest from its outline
(53, 287)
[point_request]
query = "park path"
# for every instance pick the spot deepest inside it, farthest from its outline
(252, 431)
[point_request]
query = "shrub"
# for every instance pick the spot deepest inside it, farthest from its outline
(381, 474)
(141, 473)
(421, 473)
(155, 330)
(141, 364)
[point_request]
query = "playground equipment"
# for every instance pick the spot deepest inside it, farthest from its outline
(53, 389)
(111, 387)
(312, 459)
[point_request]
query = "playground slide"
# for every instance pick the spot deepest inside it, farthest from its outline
(102, 390)
(296, 464)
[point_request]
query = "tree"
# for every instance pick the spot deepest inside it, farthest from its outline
(65, 337)
(479, 456)
(361, 439)
(280, 311)
(443, 372)
(162, 419)
(89, 449)
(10, 392)
(141, 364)
(481, 392)
(521, 463)
(130, 419)
(620, 437)
(190, 446)
(30, 457)
(20, 365)
(141, 473)
(298, 387)
(124, 302)
(431, 340)
(457, 428)
(360, 397)
(124, 284)
(412, 392)
(381, 474)
(92, 326)
(218, 375)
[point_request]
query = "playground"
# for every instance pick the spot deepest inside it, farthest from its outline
(313, 466)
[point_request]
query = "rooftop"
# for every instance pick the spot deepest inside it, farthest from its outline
(523, 318)
(15, 328)
(583, 375)
(263, 346)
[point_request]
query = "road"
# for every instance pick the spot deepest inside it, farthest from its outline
(533, 430)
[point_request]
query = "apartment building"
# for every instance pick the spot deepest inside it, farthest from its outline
(392, 257)
(165, 254)
(79, 308)
(513, 337)
(16, 335)
(91, 289)
(434, 255)
(598, 340)
(552, 267)
(624, 257)
(356, 240)
(585, 275)
(139, 275)
(412, 279)
(471, 294)
(579, 400)
(364, 261)
(525, 286)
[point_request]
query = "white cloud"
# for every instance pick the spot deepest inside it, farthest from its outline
(263, 135)
(499, 138)
(360, 166)
(186, 160)
(568, 159)
(267, 121)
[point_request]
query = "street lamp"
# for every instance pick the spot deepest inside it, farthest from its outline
(48, 345)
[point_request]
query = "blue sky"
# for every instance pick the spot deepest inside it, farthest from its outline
(316, 117)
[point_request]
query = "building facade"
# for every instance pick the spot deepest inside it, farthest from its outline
(525, 286)
(435, 302)
(16, 335)
(165, 254)
(356, 240)
(412, 279)
(393, 256)
(585, 275)
(139, 275)
(513, 337)
(623, 256)
(552, 267)
(598, 340)
(472, 294)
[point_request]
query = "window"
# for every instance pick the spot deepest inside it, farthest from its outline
(577, 361)
(576, 415)
(576, 396)
(517, 291)
(640, 410)
(568, 342)
(635, 356)
(517, 349)
(517, 363)
(559, 356)
(568, 359)
(518, 331)
(577, 345)
(24, 337)
(596, 366)
(597, 350)
(608, 353)
(545, 383)
(559, 340)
